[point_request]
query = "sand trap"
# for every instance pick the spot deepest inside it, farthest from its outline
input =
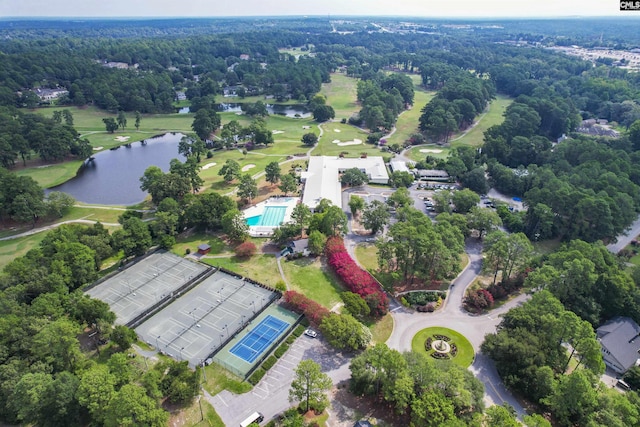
(306, 127)
(430, 150)
(208, 165)
(336, 141)
(122, 138)
(97, 148)
(275, 132)
(337, 130)
(355, 141)
(247, 167)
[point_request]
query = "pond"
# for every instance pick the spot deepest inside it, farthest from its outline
(293, 111)
(113, 177)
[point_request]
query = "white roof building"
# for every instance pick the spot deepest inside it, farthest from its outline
(322, 179)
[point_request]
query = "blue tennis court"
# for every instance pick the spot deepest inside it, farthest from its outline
(259, 339)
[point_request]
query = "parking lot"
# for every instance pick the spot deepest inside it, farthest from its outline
(271, 396)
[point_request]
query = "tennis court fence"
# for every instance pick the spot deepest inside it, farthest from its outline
(274, 346)
(195, 280)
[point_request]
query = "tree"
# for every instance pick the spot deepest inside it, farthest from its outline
(68, 117)
(205, 122)
(309, 386)
(464, 200)
(322, 113)
(354, 177)
(138, 120)
(272, 173)
(58, 345)
(120, 368)
(356, 204)
(334, 222)
(375, 216)
(58, 204)
(192, 146)
(400, 198)
(317, 241)
(355, 305)
(288, 184)
(400, 179)
(574, 398)
(310, 139)
(134, 238)
(483, 220)
(235, 226)
(344, 332)
(230, 170)
(110, 124)
(432, 408)
(634, 135)
(301, 215)
(28, 395)
(123, 337)
(503, 416)
(121, 119)
(248, 188)
(131, 406)
(96, 389)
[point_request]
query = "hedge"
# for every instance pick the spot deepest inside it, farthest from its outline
(268, 364)
(356, 279)
(301, 304)
(257, 376)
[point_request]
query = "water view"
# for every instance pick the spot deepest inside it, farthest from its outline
(113, 177)
(294, 111)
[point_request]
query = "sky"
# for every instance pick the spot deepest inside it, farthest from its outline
(214, 8)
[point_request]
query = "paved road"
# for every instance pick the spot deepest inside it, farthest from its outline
(626, 238)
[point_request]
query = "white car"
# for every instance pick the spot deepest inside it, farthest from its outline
(311, 333)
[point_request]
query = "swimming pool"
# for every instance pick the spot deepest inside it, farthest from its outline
(272, 216)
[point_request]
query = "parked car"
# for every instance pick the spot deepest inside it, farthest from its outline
(311, 333)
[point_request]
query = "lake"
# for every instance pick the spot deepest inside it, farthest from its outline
(293, 111)
(113, 177)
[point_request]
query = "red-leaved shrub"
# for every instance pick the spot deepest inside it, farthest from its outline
(246, 250)
(301, 304)
(356, 279)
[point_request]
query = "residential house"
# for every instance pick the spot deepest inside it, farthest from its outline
(620, 342)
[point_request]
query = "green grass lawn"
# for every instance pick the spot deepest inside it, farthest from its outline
(367, 255)
(408, 121)
(307, 276)
(192, 417)
(381, 329)
(219, 379)
(192, 240)
(334, 131)
(50, 175)
(14, 248)
(495, 116)
(465, 354)
(341, 94)
(261, 268)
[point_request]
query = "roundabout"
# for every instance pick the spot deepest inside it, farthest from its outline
(444, 344)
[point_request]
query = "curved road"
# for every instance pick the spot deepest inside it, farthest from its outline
(407, 323)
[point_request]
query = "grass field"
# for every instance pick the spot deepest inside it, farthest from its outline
(307, 276)
(261, 268)
(474, 137)
(192, 417)
(12, 249)
(343, 132)
(192, 241)
(367, 255)
(219, 379)
(495, 116)
(408, 121)
(382, 329)
(341, 94)
(465, 354)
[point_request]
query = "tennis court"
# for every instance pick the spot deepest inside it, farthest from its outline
(206, 317)
(259, 339)
(156, 278)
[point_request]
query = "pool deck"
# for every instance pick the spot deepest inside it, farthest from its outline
(265, 230)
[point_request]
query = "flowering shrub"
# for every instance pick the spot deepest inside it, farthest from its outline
(246, 250)
(356, 279)
(301, 304)
(479, 300)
